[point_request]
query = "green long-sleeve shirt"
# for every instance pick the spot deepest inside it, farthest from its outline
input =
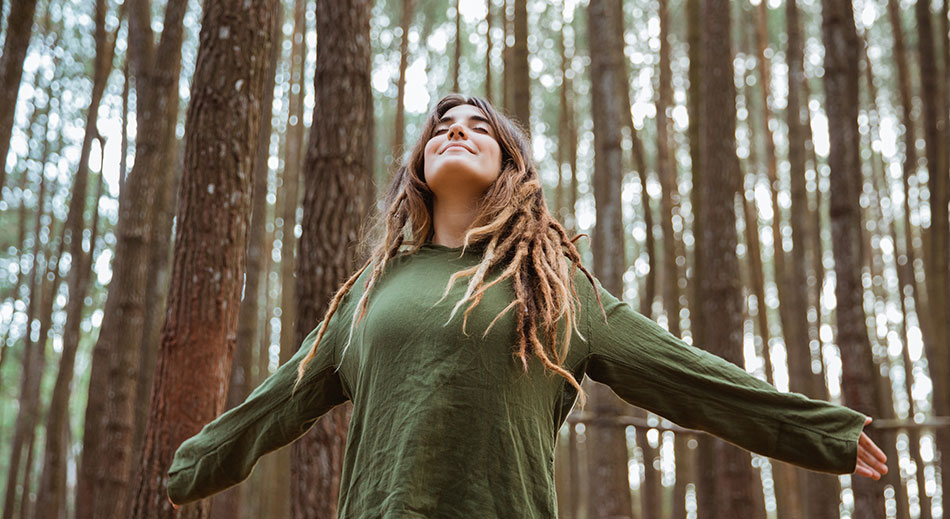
(446, 425)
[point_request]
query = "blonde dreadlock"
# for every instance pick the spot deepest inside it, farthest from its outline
(519, 236)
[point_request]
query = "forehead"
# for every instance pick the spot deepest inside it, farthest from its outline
(461, 112)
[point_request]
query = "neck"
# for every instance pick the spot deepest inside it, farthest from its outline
(450, 221)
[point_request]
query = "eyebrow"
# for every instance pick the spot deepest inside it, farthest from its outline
(476, 117)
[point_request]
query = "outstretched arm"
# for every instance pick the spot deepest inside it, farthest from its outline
(649, 367)
(225, 451)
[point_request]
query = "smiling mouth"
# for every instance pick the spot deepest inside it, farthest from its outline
(459, 146)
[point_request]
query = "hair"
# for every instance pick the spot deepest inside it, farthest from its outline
(515, 231)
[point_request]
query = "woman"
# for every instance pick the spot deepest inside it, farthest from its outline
(459, 388)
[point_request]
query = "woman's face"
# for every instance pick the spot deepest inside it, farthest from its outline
(462, 159)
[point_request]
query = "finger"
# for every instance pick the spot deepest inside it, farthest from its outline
(864, 470)
(869, 444)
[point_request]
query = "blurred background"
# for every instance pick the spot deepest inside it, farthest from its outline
(766, 179)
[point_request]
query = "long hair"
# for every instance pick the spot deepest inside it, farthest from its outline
(512, 226)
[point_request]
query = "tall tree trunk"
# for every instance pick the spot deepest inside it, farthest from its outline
(456, 63)
(727, 470)
(608, 491)
(520, 78)
(106, 468)
(666, 171)
(937, 238)
(790, 332)
(34, 353)
(337, 176)
(288, 200)
(817, 501)
(507, 72)
(50, 289)
(905, 254)
(232, 503)
(488, 46)
(399, 131)
(52, 489)
(215, 208)
(19, 30)
(685, 472)
(880, 212)
(841, 90)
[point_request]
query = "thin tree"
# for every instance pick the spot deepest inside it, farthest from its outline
(488, 46)
(106, 465)
(34, 352)
(399, 132)
(520, 78)
(19, 30)
(52, 490)
(937, 238)
(841, 102)
(607, 487)
(819, 493)
(337, 194)
(456, 63)
(727, 473)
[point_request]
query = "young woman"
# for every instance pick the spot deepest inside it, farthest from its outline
(463, 340)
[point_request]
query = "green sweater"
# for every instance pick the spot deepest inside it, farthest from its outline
(446, 425)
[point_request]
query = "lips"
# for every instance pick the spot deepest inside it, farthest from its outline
(457, 145)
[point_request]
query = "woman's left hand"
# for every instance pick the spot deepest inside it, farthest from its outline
(871, 459)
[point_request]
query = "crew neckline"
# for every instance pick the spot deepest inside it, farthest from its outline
(477, 247)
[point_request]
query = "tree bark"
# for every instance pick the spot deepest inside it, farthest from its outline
(337, 175)
(818, 501)
(52, 490)
(728, 474)
(19, 30)
(520, 78)
(232, 503)
(34, 353)
(607, 487)
(104, 482)
(214, 211)
(456, 63)
(399, 131)
(841, 91)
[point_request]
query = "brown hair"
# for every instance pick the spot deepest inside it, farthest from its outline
(513, 226)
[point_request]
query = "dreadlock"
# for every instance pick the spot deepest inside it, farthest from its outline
(519, 235)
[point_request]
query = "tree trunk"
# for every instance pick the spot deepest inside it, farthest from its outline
(937, 238)
(52, 490)
(399, 131)
(815, 498)
(215, 205)
(520, 78)
(905, 254)
(694, 105)
(726, 468)
(104, 481)
(458, 46)
(232, 503)
(34, 353)
(19, 30)
(337, 175)
(841, 90)
(607, 487)
(488, 44)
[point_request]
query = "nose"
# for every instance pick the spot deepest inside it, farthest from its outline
(456, 131)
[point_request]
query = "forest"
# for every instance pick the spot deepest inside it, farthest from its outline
(186, 184)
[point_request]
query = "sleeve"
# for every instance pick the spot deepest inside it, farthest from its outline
(650, 368)
(225, 451)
